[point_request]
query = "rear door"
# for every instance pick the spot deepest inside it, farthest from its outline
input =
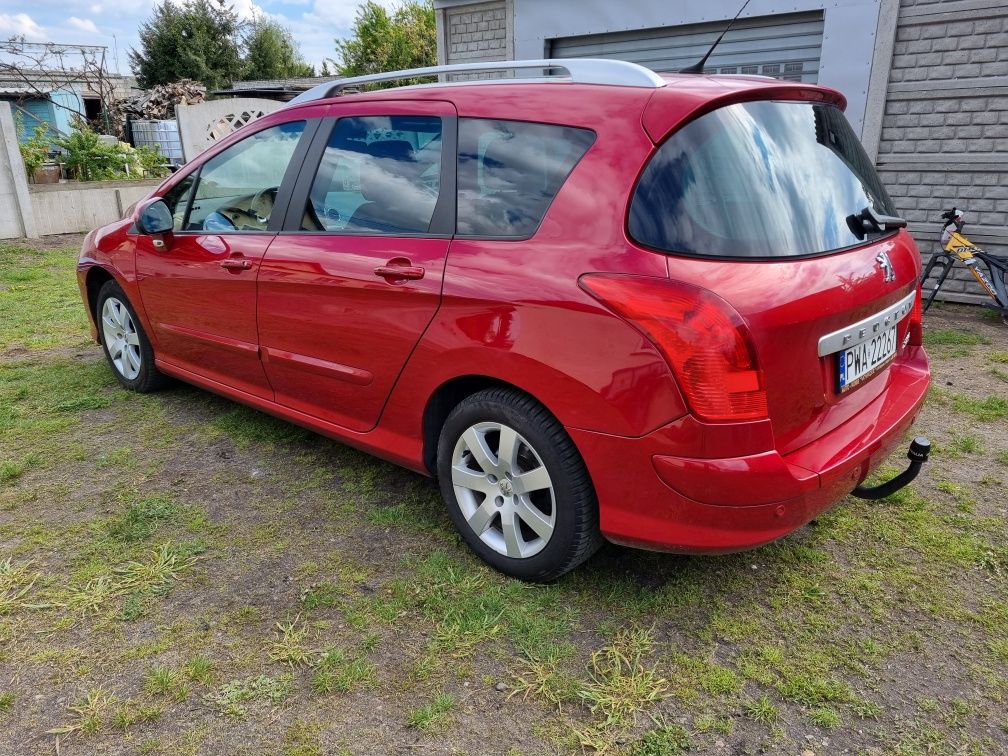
(354, 278)
(199, 288)
(757, 201)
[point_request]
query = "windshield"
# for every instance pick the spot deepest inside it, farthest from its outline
(757, 179)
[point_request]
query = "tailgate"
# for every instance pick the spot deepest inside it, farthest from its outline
(774, 206)
(792, 305)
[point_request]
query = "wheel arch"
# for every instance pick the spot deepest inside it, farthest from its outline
(446, 397)
(96, 277)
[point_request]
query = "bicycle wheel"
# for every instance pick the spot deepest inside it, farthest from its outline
(938, 259)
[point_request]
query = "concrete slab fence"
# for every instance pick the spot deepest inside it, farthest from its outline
(73, 207)
(16, 216)
(33, 210)
(201, 125)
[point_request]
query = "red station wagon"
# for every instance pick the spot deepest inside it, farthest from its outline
(669, 311)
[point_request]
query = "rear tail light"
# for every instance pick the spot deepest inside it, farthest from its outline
(915, 326)
(702, 338)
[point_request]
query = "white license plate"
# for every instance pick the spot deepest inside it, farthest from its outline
(865, 358)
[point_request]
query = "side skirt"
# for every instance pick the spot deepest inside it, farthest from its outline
(376, 442)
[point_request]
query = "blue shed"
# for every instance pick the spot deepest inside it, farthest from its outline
(57, 109)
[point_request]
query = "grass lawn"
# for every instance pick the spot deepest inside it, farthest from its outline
(180, 574)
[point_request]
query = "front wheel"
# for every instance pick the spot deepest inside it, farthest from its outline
(515, 486)
(946, 268)
(127, 348)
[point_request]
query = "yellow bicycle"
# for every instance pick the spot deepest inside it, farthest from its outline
(955, 246)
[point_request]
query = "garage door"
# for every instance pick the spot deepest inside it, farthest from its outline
(783, 46)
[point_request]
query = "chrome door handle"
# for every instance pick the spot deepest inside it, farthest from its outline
(236, 263)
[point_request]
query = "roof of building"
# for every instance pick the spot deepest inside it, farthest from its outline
(31, 92)
(300, 84)
(275, 89)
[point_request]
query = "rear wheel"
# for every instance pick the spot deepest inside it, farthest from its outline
(515, 486)
(127, 348)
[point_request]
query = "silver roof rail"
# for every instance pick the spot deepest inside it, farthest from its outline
(580, 70)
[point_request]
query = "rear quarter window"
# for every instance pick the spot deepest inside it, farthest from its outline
(510, 171)
(757, 180)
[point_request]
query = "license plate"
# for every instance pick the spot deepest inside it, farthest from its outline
(861, 360)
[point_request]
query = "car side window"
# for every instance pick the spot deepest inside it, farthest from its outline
(378, 175)
(509, 172)
(177, 200)
(236, 189)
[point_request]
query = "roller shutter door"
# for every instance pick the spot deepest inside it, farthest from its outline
(783, 46)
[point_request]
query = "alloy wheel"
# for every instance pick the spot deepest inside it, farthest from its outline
(504, 490)
(121, 338)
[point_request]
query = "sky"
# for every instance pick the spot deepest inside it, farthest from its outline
(114, 23)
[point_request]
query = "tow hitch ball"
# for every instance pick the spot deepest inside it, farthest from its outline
(920, 447)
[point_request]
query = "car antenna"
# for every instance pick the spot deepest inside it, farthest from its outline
(697, 68)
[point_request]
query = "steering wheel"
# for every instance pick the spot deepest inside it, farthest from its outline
(257, 197)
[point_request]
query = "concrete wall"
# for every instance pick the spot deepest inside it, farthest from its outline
(16, 218)
(475, 32)
(73, 207)
(202, 125)
(944, 135)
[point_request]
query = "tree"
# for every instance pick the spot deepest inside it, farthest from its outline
(382, 42)
(271, 53)
(194, 40)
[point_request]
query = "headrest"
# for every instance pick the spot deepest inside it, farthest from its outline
(386, 171)
(396, 149)
(499, 174)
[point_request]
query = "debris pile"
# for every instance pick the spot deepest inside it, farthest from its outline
(158, 102)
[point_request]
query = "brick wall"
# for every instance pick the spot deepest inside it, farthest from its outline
(944, 135)
(476, 32)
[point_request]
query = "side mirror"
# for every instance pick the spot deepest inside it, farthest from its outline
(155, 218)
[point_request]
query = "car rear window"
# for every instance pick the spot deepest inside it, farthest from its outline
(757, 180)
(509, 172)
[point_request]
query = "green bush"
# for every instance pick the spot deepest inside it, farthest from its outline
(87, 158)
(151, 161)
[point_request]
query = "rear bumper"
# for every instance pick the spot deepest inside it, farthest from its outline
(651, 495)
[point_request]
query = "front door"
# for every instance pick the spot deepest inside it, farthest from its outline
(199, 289)
(350, 285)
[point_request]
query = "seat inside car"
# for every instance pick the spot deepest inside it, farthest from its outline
(502, 205)
(394, 197)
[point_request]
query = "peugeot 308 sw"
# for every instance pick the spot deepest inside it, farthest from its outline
(670, 311)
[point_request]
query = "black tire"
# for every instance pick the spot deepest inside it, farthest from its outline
(149, 378)
(929, 295)
(575, 536)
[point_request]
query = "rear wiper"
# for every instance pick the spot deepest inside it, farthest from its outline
(869, 222)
